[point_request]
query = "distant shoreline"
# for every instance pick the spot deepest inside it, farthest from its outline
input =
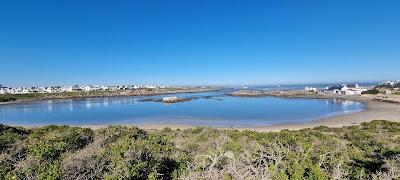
(61, 96)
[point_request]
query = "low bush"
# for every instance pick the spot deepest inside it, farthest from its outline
(372, 91)
(7, 99)
(368, 151)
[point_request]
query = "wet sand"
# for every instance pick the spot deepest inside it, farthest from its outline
(374, 111)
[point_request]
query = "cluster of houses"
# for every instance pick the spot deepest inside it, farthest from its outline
(351, 89)
(345, 89)
(390, 83)
(75, 88)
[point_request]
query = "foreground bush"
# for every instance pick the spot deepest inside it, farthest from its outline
(368, 151)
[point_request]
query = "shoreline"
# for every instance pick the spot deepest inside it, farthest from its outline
(121, 94)
(376, 109)
(373, 111)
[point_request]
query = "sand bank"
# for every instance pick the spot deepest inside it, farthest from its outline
(374, 111)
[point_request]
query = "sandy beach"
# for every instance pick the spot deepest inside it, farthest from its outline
(374, 111)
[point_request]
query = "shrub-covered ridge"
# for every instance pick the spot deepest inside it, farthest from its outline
(368, 151)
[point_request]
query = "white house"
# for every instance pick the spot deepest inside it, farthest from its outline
(311, 89)
(95, 88)
(345, 89)
(86, 88)
(66, 89)
(76, 88)
(48, 89)
(150, 86)
(14, 90)
(112, 88)
(390, 83)
(346, 92)
(136, 87)
(104, 88)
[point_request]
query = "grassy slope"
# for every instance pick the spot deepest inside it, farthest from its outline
(370, 150)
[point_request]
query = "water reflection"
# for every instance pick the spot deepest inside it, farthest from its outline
(105, 102)
(70, 105)
(343, 102)
(227, 111)
(88, 104)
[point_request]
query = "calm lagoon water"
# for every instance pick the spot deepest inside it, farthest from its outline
(217, 111)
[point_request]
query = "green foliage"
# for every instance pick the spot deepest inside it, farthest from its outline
(7, 99)
(50, 142)
(11, 135)
(138, 155)
(14, 97)
(371, 91)
(60, 152)
(50, 171)
(45, 147)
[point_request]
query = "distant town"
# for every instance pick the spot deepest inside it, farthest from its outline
(345, 89)
(75, 88)
(354, 89)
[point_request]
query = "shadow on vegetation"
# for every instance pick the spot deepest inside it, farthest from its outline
(368, 151)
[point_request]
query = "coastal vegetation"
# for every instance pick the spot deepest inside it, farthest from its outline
(367, 151)
(14, 97)
(99, 93)
(371, 91)
(7, 99)
(383, 89)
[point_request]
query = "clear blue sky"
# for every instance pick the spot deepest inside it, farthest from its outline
(198, 41)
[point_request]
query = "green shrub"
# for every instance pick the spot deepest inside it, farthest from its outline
(7, 99)
(10, 135)
(118, 152)
(372, 91)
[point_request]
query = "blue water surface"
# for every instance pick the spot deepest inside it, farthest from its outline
(217, 111)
